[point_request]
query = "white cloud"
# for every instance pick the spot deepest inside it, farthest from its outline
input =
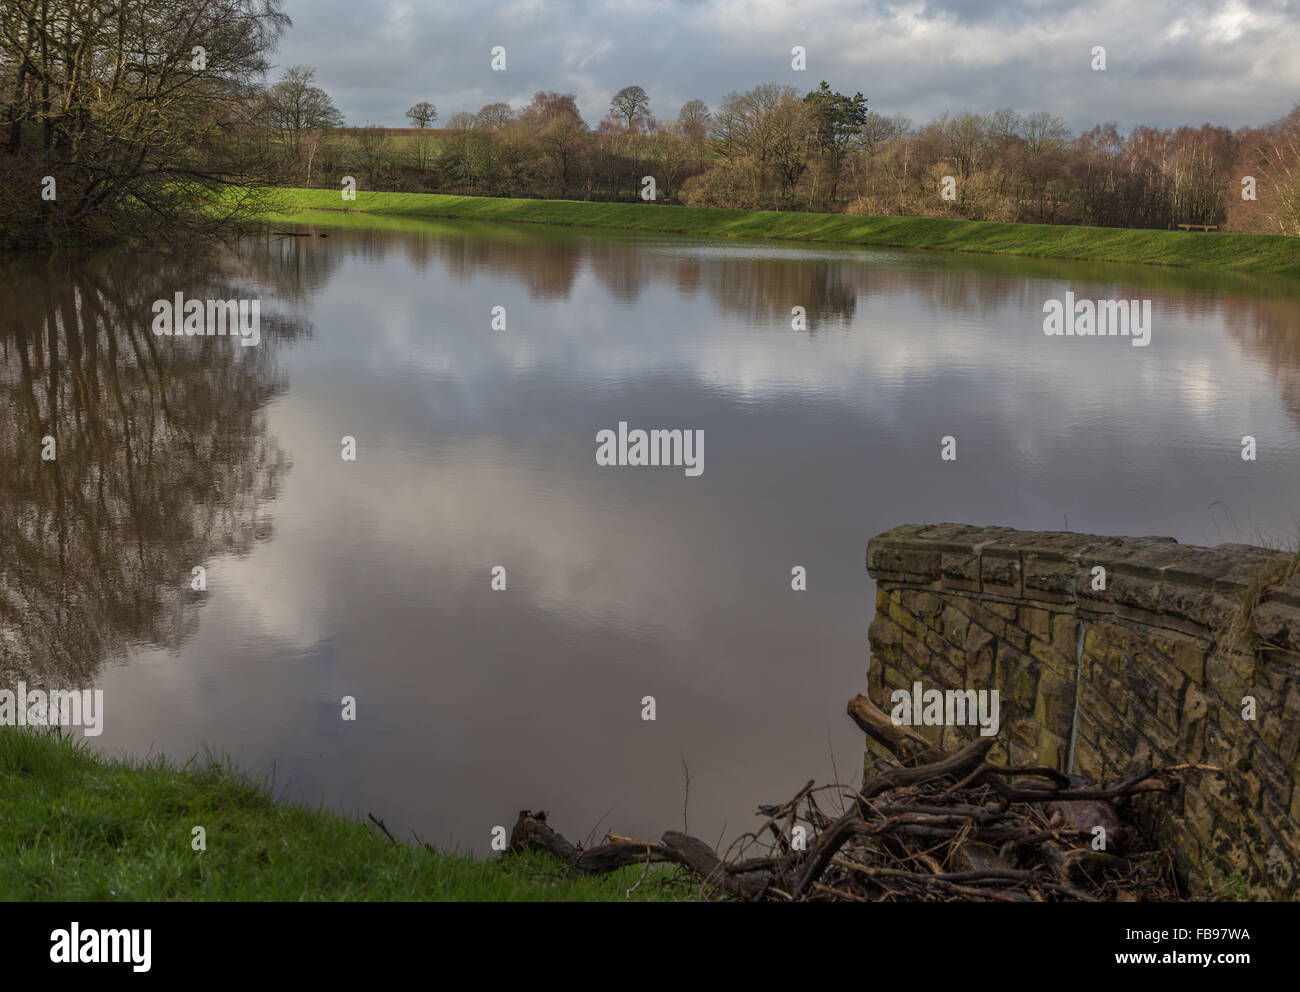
(917, 58)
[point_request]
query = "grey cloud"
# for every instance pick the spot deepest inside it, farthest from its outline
(1168, 63)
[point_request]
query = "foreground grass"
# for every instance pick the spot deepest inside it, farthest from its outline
(1256, 253)
(76, 826)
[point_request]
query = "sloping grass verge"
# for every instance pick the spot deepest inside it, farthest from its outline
(1256, 253)
(77, 826)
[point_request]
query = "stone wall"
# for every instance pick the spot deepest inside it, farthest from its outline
(1110, 653)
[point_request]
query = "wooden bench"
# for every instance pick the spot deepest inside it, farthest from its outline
(1198, 227)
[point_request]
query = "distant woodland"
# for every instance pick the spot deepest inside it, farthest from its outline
(126, 119)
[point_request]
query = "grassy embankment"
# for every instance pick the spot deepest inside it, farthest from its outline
(76, 826)
(1255, 253)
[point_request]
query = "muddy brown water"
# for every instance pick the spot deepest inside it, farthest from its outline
(476, 448)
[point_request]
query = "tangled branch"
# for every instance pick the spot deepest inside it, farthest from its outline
(929, 827)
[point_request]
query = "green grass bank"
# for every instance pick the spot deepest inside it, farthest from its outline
(76, 826)
(1254, 253)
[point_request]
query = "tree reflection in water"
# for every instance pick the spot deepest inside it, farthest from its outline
(163, 457)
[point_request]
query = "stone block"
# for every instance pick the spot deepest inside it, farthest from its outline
(954, 624)
(1037, 621)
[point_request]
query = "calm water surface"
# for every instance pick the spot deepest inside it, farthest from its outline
(476, 448)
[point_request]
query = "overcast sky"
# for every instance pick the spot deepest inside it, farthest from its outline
(1174, 62)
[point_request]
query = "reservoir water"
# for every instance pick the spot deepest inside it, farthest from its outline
(475, 465)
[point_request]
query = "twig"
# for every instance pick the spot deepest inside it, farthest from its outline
(380, 824)
(686, 798)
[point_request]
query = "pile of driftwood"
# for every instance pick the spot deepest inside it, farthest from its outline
(926, 827)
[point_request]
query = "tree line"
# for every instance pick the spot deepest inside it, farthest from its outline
(772, 147)
(131, 118)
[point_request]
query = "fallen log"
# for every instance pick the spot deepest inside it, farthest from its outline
(908, 746)
(934, 826)
(532, 831)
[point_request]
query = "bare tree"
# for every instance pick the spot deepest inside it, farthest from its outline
(966, 136)
(373, 152)
(295, 105)
(877, 129)
(1043, 132)
(422, 114)
(1280, 193)
(133, 108)
(547, 106)
(632, 104)
(420, 152)
(1004, 126)
(494, 116)
(693, 120)
(747, 124)
(562, 141)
